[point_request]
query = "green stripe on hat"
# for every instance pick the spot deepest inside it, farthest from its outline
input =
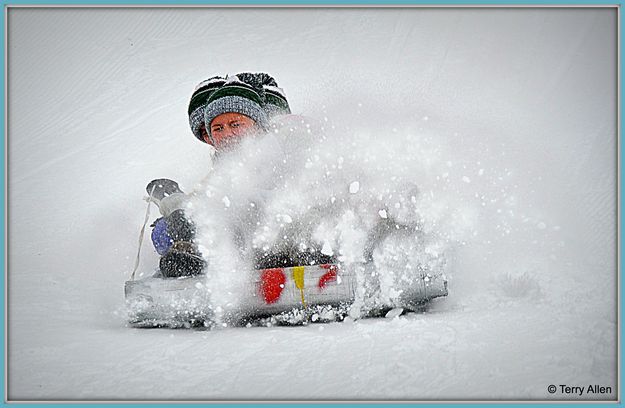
(235, 90)
(199, 99)
(277, 101)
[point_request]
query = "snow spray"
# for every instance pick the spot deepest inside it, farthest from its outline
(361, 196)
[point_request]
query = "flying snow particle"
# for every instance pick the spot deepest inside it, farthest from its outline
(327, 249)
(226, 201)
(383, 213)
(466, 179)
(354, 187)
(393, 313)
(284, 218)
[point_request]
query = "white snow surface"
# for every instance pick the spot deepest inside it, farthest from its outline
(494, 128)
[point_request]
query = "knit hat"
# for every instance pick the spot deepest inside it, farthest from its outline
(236, 97)
(267, 87)
(275, 101)
(198, 101)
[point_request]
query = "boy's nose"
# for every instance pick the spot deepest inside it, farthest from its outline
(228, 133)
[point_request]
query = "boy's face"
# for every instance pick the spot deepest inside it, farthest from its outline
(227, 128)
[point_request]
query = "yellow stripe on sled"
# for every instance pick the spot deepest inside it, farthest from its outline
(298, 277)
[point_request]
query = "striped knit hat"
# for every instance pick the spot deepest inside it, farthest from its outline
(198, 101)
(267, 87)
(275, 101)
(237, 97)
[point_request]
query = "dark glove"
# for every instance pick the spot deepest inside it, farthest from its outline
(179, 227)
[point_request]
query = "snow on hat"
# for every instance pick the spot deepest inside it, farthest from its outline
(267, 87)
(198, 101)
(275, 101)
(236, 97)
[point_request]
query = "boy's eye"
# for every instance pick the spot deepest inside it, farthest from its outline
(217, 128)
(235, 124)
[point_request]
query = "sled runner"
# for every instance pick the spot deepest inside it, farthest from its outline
(314, 290)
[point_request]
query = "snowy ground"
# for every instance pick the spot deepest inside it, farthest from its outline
(521, 102)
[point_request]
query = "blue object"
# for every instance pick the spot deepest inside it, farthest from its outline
(160, 238)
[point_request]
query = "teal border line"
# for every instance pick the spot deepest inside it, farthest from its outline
(300, 3)
(4, 205)
(375, 3)
(619, 204)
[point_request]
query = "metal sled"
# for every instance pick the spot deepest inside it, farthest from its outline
(181, 302)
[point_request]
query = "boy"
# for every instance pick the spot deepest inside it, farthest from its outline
(221, 112)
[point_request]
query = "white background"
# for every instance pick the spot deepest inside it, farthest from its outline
(97, 103)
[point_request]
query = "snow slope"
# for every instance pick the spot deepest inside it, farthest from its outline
(518, 104)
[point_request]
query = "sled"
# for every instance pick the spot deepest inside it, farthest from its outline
(300, 293)
(286, 295)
